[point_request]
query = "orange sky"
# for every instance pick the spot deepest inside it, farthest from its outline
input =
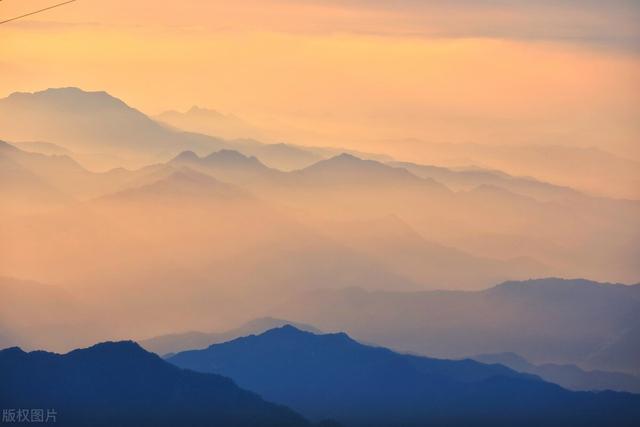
(356, 73)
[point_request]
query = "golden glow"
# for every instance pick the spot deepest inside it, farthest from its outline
(315, 73)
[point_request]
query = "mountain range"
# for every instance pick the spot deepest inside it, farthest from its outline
(568, 376)
(121, 384)
(105, 132)
(200, 233)
(173, 343)
(588, 169)
(545, 321)
(334, 376)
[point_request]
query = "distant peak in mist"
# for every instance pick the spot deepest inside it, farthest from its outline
(274, 322)
(347, 161)
(290, 332)
(560, 289)
(186, 156)
(346, 157)
(70, 97)
(202, 111)
(346, 169)
(182, 182)
(187, 175)
(554, 282)
(231, 156)
(223, 159)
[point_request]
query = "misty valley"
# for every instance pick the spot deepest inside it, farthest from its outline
(152, 275)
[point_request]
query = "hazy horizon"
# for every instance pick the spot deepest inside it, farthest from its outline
(364, 75)
(446, 194)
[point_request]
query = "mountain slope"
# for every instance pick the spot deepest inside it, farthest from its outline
(227, 165)
(469, 178)
(183, 183)
(546, 321)
(569, 376)
(210, 122)
(172, 343)
(398, 247)
(335, 376)
(587, 169)
(104, 132)
(96, 123)
(63, 175)
(348, 170)
(121, 384)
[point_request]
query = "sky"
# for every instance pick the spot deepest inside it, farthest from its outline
(367, 74)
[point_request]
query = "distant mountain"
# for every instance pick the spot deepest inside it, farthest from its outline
(335, 376)
(286, 157)
(462, 179)
(210, 122)
(94, 122)
(183, 183)
(121, 384)
(621, 350)
(244, 136)
(400, 248)
(42, 177)
(569, 376)
(41, 147)
(173, 343)
(23, 190)
(587, 169)
(104, 132)
(546, 321)
(248, 138)
(227, 165)
(348, 170)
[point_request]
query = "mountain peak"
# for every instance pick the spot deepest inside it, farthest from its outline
(346, 157)
(182, 182)
(286, 330)
(13, 351)
(290, 332)
(126, 349)
(347, 162)
(558, 289)
(126, 345)
(201, 111)
(345, 169)
(552, 283)
(70, 98)
(229, 155)
(186, 156)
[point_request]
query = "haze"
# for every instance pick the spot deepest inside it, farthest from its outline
(358, 74)
(377, 168)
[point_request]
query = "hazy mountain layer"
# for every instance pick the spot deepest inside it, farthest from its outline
(545, 321)
(568, 376)
(334, 376)
(121, 384)
(173, 343)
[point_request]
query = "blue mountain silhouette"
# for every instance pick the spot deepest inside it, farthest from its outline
(333, 376)
(120, 384)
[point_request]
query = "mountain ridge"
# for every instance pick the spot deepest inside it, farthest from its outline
(332, 375)
(119, 383)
